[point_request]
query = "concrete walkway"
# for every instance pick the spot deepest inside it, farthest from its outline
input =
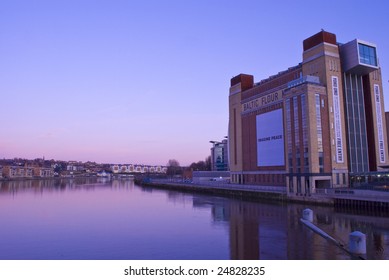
(326, 196)
(357, 194)
(225, 185)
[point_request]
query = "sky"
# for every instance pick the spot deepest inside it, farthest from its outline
(121, 81)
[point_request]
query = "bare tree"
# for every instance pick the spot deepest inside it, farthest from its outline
(208, 163)
(173, 168)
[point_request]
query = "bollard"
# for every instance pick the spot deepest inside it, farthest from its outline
(357, 243)
(308, 215)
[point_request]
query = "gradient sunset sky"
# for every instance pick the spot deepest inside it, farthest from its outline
(121, 81)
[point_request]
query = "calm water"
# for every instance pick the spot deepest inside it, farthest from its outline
(91, 219)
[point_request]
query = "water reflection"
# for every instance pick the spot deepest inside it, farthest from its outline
(263, 231)
(94, 218)
(273, 231)
(61, 184)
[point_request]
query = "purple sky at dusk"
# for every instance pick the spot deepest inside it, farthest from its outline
(121, 81)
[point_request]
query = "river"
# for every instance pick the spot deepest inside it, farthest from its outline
(100, 219)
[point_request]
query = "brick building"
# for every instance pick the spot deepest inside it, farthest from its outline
(312, 125)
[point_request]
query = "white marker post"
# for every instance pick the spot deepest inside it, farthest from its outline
(308, 215)
(357, 243)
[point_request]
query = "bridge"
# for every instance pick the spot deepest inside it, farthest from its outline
(138, 168)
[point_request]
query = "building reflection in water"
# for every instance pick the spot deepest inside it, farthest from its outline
(251, 227)
(274, 231)
(244, 231)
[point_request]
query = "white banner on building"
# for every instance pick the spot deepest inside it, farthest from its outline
(270, 139)
(381, 146)
(337, 120)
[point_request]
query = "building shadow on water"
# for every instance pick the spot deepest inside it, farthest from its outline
(274, 231)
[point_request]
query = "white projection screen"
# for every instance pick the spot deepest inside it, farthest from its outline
(270, 139)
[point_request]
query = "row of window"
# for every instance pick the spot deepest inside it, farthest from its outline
(293, 133)
(264, 178)
(356, 122)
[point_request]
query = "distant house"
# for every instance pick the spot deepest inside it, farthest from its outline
(10, 171)
(75, 167)
(16, 171)
(28, 171)
(43, 172)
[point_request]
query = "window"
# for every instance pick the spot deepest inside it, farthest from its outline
(289, 134)
(296, 124)
(305, 131)
(296, 133)
(318, 124)
(319, 133)
(367, 55)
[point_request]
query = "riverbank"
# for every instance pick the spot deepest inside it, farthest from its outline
(373, 201)
(247, 192)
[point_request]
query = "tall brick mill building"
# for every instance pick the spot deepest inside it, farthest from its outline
(314, 125)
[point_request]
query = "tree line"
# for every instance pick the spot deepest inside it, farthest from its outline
(174, 168)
